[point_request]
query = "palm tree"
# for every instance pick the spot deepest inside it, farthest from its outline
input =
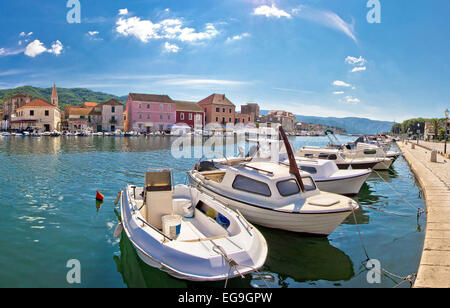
(435, 124)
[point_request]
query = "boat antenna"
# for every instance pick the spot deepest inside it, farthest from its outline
(293, 167)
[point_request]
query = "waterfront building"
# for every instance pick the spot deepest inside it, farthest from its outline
(190, 113)
(111, 116)
(286, 119)
(13, 103)
(79, 118)
(250, 108)
(245, 118)
(149, 113)
(218, 109)
(37, 115)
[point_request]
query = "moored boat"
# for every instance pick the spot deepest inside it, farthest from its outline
(187, 234)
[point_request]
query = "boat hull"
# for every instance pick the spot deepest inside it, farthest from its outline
(316, 224)
(357, 166)
(348, 186)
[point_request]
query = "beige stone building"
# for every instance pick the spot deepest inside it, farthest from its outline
(286, 119)
(112, 116)
(13, 103)
(37, 115)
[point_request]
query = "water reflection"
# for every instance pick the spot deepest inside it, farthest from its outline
(303, 258)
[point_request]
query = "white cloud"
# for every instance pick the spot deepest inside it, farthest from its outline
(57, 48)
(92, 33)
(358, 69)
(339, 83)
(36, 48)
(22, 34)
(237, 37)
(123, 12)
(351, 100)
(8, 52)
(326, 18)
(272, 11)
(355, 61)
(145, 30)
(171, 47)
(338, 92)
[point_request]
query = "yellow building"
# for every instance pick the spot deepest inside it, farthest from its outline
(37, 115)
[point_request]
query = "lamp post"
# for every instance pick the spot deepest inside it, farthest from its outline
(446, 129)
(418, 133)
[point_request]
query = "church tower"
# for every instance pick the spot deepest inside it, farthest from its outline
(54, 96)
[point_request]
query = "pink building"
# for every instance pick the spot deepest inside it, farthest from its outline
(149, 113)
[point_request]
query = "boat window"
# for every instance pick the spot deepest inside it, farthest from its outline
(310, 170)
(252, 186)
(288, 188)
(309, 184)
(323, 156)
(332, 157)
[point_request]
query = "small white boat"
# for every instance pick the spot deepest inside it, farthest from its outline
(330, 178)
(345, 159)
(188, 234)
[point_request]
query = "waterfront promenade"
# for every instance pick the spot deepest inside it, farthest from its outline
(434, 178)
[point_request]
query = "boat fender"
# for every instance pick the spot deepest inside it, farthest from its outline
(118, 230)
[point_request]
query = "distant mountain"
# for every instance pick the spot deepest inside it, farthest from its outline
(351, 125)
(76, 96)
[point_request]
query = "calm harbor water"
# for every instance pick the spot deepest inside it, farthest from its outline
(49, 215)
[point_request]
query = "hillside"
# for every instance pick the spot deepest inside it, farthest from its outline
(351, 125)
(71, 97)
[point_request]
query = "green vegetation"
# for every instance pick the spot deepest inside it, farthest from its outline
(67, 97)
(411, 126)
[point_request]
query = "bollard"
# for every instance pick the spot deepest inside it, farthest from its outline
(433, 156)
(413, 146)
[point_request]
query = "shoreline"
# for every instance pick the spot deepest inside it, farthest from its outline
(434, 268)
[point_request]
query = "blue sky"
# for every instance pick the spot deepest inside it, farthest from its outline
(316, 57)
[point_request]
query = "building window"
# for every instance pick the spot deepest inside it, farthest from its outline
(230, 110)
(140, 116)
(229, 120)
(47, 113)
(168, 117)
(148, 106)
(113, 109)
(182, 116)
(148, 116)
(140, 106)
(223, 110)
(169, 108)
(217, 119)
(161, 117)
(217, 109)
(31, 112)
(190, 117)
(161, 107)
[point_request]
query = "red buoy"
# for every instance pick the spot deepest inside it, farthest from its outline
(99, 196)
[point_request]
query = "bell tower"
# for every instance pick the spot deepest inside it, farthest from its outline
(54, 96)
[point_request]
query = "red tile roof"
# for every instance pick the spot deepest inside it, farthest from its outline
(188, 106)
(90, 104)
(112, 102)
(216, 99)
(38, 102)
(150, 98)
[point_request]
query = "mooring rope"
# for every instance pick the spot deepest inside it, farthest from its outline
(403, 278)
(233, 264)
(420, 210)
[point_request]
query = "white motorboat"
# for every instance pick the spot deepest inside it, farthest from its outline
(372, 149)
(330, 178)
(345, 159)
(187, 234)
(268, 194)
